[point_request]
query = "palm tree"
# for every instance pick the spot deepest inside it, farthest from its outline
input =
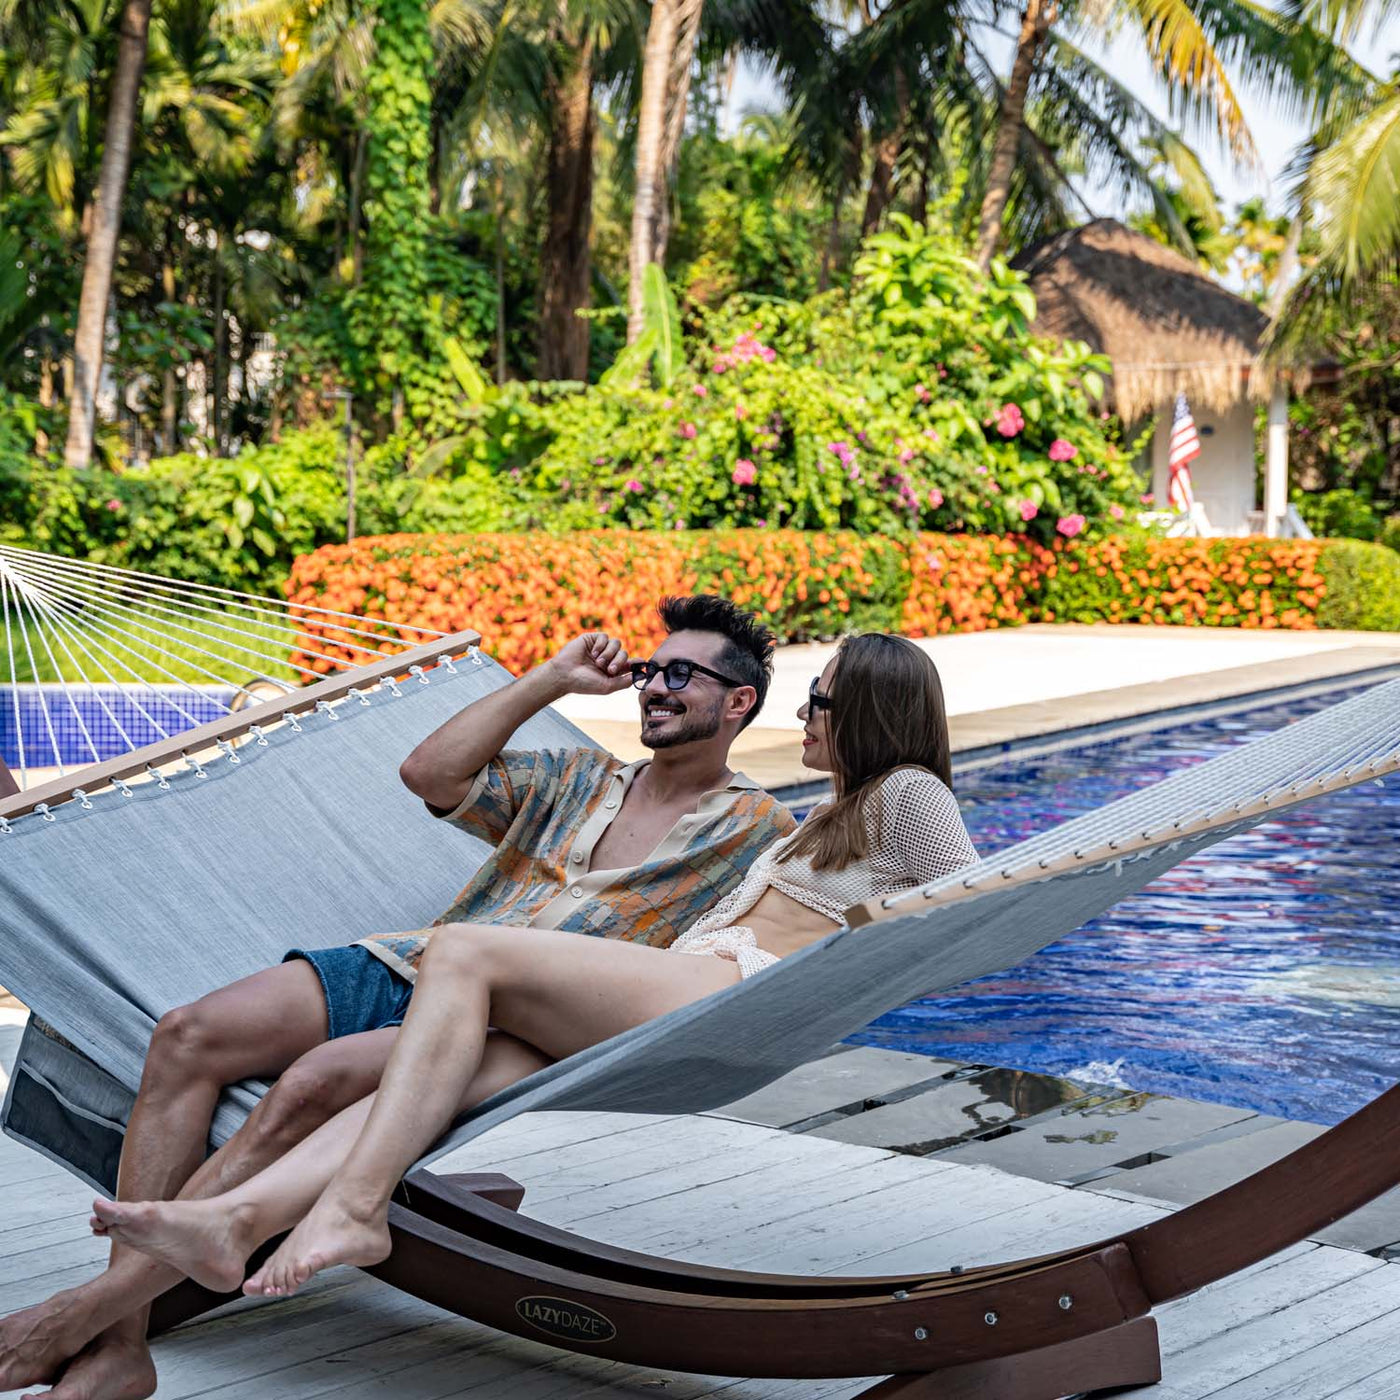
(672, 35)
(106, 224)
(1191, 44)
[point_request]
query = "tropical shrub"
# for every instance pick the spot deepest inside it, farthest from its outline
(527, 601)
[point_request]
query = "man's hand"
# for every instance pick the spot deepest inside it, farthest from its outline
(593, 664)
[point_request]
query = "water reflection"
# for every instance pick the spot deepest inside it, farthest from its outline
(1263, 973)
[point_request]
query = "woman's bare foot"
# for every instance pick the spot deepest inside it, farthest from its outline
(35, 1342)
(113, 1366)
(205, 1240)
(334, 1232)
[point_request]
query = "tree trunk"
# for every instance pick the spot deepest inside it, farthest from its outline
(1036, 20)
(500, 279)
(687, 38)
(657, 62)
(106, 224)
(833, 240)
(41, 438)
(169, 387)
(566, 269)
(219, 378)
(357, 184)
(881, 191)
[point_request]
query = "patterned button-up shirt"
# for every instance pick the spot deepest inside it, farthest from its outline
(544, 812)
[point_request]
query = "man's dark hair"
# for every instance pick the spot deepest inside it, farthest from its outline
(748, 644)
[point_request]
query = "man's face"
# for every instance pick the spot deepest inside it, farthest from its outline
(671, 717)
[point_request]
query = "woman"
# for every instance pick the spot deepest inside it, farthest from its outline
(874, 719)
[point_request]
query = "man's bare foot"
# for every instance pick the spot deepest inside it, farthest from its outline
(334, 1232)
(114, 1366)
(204, 1240)
(35, 1342)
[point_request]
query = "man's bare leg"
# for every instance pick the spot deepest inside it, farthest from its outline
(255, 1028)
(211, 1239)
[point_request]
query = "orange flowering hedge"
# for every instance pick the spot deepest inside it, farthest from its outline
(1251, 582)
(528, 594)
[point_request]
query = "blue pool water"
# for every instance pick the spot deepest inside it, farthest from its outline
(85, 724)
(1263, 973)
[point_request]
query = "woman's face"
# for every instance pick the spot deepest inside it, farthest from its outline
(816, 733)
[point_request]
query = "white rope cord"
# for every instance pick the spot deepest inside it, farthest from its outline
(181, 587)
(34, 671)
(1340, 746)
(108, 606)
(62, 629)
(75, 576)
(112, 632)
(14, 673)
(59, 619)
(1243, 777)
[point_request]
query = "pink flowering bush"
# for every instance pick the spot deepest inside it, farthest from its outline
(917, 399)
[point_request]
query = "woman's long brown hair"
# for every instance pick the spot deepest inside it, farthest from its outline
(886, 712)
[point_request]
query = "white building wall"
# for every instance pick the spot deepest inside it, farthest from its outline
(1222, 477)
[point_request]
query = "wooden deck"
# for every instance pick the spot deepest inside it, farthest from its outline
(1316, 1321)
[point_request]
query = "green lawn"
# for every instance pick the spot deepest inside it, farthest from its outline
(97, 649)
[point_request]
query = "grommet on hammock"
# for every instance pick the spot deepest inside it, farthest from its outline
(84, 800)
(229, 752)
(162, 782)
(355, 693)
(419, 675)
(326, 708)
(259, 738)
(196, 765)
(445, 661)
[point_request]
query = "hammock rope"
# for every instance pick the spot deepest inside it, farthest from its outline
(79, 636)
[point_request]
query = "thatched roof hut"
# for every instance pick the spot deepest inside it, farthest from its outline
(1165, 324)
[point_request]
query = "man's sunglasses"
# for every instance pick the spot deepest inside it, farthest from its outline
(676, 674)
(815, 699)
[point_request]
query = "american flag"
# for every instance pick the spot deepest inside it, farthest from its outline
(1185, 446)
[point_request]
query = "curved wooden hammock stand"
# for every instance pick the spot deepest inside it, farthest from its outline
(1029, 1330)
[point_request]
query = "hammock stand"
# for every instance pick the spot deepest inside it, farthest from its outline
(1078, 1320)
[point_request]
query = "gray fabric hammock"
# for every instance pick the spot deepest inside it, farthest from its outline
(118, 906)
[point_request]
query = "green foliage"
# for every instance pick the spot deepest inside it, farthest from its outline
(1342, 514)
(1363, 586)
(917, 399)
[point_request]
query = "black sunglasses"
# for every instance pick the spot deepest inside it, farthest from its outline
(815, 698)
(676, 674)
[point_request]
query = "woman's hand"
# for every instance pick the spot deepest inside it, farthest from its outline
(593, 664)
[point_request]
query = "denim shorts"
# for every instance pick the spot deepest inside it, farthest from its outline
(362, 992)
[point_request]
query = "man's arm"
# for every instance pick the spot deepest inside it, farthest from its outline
(441, 769)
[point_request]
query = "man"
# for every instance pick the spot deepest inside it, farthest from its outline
(576, 848)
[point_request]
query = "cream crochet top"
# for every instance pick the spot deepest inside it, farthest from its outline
(916, 836)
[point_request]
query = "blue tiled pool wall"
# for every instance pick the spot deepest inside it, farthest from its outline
(1263, 973)
(22, 715)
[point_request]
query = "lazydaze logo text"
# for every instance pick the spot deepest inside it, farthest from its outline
(561, 1318)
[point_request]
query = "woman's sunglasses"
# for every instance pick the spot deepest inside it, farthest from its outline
(815, 699)
(676, 674)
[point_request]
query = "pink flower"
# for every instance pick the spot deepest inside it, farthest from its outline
(768, 354)
(1116, 511)
(702, 391)
(667, 403)
(921, 393)
(719, 366)
(686, 430)
(935, 498)
(114, 504)
(931, 434)
(1146, 498)
(762, 524)
(740, 412)
(1070, 525)
(634, 485)
(744, 473)
(906, 456)
(1062, 451)
(1009, 420)
(1029, 510)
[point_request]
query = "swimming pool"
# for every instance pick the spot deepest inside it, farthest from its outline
(1263, 973)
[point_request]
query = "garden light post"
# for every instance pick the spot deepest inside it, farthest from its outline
(349, 400)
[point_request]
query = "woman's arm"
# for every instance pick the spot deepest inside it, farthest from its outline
(922, 826)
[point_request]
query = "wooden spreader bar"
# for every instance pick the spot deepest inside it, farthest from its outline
(1028, 1330)
(95, 776)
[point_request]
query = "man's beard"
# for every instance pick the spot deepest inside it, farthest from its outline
(693, 727)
